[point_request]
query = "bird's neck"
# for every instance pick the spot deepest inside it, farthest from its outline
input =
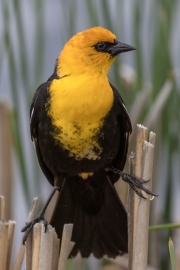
(71, 62)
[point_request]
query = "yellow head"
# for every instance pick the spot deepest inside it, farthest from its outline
(92, 50)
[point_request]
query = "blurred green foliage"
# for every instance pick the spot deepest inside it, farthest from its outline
(172, 254)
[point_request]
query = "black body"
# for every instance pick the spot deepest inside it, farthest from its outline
(92, 205)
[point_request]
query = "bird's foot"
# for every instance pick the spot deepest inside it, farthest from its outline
(133, 181)
(29, 226)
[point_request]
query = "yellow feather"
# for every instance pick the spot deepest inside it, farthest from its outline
(84, 175)
(78, 106)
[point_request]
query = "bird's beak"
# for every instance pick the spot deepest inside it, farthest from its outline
(119, 47)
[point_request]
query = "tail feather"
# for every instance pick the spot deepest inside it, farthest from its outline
(88, 230)
(110, 248)
(115, 217)
(98, 247)
(78, 222)
(100, 230)
(110, 232)
(64, 209)
(112, 223)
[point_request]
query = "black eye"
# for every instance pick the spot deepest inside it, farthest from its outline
(100, 46)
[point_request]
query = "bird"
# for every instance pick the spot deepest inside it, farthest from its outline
(80, 129)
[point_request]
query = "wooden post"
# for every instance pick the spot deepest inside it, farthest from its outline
(5, 158)
(138, 208)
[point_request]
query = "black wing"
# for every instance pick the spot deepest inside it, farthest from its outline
(125, 130)
(36, 110)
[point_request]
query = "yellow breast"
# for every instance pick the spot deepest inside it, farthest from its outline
(78, 106)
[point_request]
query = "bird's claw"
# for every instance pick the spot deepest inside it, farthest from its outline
(29, 226)
(134, 182)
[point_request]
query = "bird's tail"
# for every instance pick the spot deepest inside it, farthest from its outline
(98, 216)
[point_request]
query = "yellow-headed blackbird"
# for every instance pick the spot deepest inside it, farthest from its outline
(80, 129)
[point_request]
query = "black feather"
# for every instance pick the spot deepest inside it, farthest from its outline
(101, 231)
(92, 205)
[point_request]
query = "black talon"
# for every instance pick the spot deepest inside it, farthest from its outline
(40, 217)
(45, 225)
(26, 227)
(31, 224)
(133, 181)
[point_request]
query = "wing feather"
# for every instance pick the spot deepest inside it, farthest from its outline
(35, 112)
(125, 128)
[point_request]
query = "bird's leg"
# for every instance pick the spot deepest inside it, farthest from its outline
(133, 181)
(39, 218)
